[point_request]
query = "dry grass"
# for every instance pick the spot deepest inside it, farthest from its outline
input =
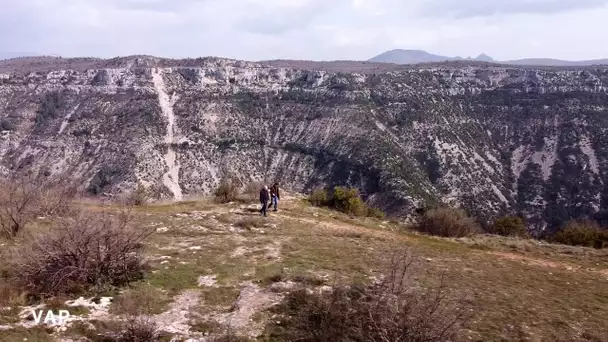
(391, 310)
(252, 191)
(143, 299)
(521, 288)
(250, 222)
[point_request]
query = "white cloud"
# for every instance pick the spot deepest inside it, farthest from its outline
(306, 29)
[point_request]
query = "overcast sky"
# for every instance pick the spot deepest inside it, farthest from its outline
(306, 29)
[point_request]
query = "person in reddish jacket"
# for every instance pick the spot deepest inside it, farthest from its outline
(274, 194)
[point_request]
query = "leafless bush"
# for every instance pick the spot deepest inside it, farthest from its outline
(227, 191)
(23, 198)
(90, 251)
(252, 191)
(140, 196)
(447, 222)
(390, 310)
(139, 329)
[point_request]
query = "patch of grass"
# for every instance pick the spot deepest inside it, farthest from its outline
(226, 218)
(177, 278)
(58, 303)
(141, 299)
(347, 234)
(219, 296)
(308, 279)
(517, 301)
(10, 315)
(36, 334)
(207, 327)
(269, 273)
(251, 222)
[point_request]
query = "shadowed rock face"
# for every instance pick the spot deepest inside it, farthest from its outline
(491, 139)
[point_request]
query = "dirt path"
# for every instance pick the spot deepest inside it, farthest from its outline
(545, 263)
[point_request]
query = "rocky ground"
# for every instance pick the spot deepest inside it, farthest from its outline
(219, 268)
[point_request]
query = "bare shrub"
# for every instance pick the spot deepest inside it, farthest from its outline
(318, 197)
(227, 191)
(23, 198)
(139, 329)
(90, 251)
(252, 191)
(140, 196)
(131, 329)
(447, 222)
(390, 310)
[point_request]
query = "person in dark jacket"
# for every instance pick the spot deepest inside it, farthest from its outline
(264, 197)
(274, 194)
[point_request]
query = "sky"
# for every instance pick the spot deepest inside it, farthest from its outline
(305, 29)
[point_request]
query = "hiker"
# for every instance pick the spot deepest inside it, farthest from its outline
(274, 194)
(264, 197)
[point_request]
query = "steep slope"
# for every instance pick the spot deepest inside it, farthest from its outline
(492, 139)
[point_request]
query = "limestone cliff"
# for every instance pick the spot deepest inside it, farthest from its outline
(492, 139)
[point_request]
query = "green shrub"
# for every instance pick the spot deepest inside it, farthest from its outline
(509, 226)
(318, 197)
(375, 213)
(582, 233)
(347, 200)
(447, 222)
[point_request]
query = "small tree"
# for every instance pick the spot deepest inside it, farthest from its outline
(509, 226)
(140, 196)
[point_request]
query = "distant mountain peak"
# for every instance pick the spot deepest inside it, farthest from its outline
(402, 56)
(484, 58)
